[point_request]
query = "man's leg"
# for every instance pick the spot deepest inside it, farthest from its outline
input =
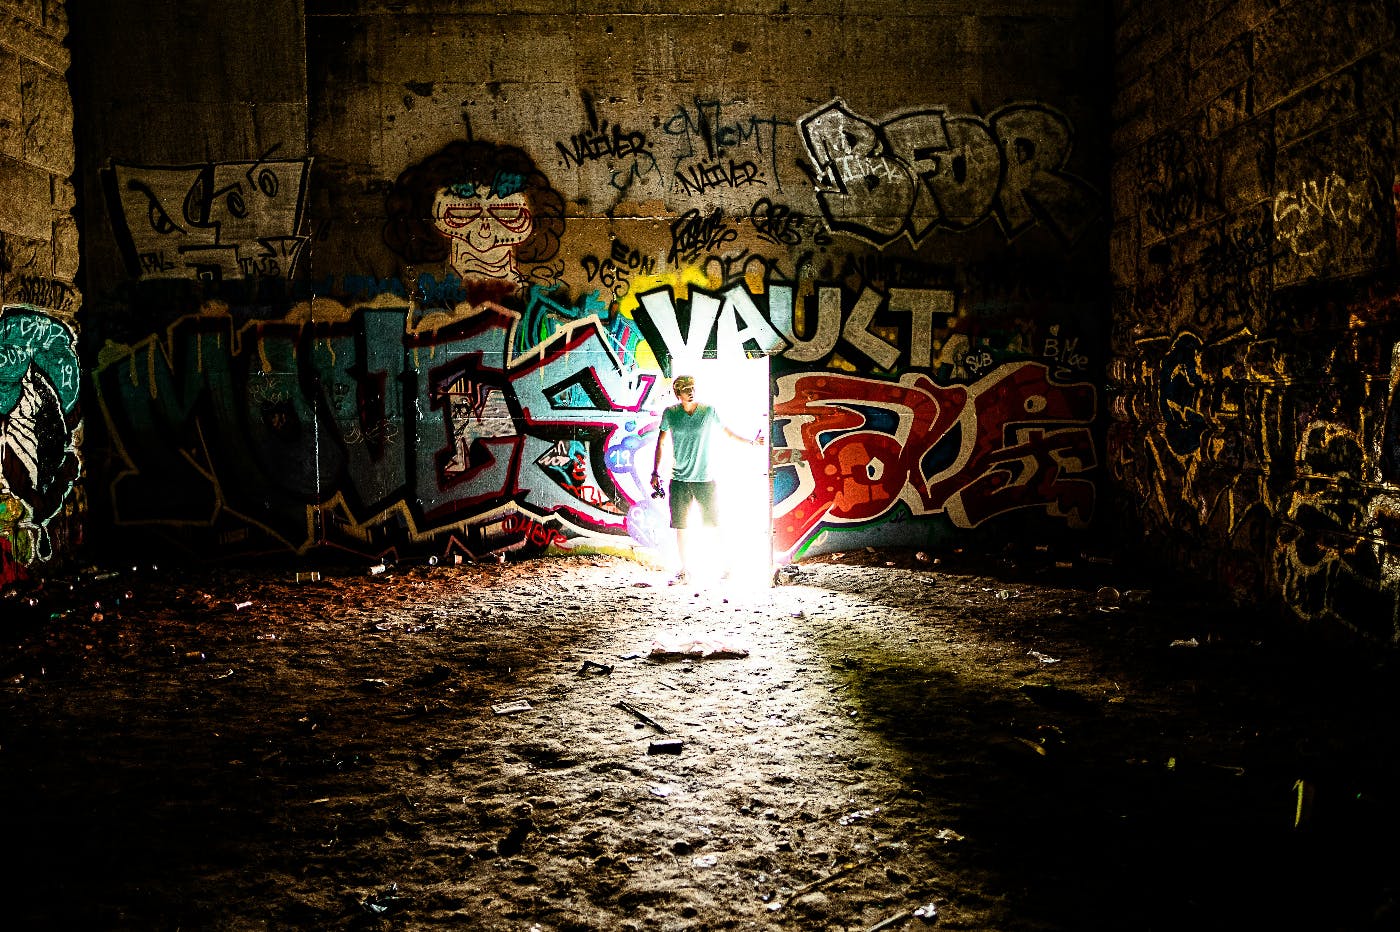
(682, 547)
(708, 499)
(682, 495)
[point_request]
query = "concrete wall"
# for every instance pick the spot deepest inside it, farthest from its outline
(41, 505)
(437, 313)
(1255, 365)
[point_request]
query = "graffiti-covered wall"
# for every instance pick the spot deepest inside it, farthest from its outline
(413, 279)
(41, 501)
(1255, 366)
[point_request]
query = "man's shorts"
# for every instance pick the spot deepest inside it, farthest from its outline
(683, 493)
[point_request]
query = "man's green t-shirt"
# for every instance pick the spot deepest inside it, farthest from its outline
(690, 441)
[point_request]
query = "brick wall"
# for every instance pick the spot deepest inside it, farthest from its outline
(1254, 359)
(40, 504)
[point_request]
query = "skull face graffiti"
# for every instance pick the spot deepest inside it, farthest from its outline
(482, 208)
(484, 227)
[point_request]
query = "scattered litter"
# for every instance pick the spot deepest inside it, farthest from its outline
(669, 746)
(384, 902)
(696, 647)
(222, 676)
(1043, 658)
(1302, 811)
(1185, 642)
(1107, 595)
(890, 923)
(928, 912)
(774, 906)
(787, 574)
(632, 710)
(594, 668)
(240, 606)
(660, 789)
(510, 708)
(921, 557)
(375, 685)
(947, 834)
(303, 578)
(859, 815)
(377, 569)
(1005, 594)
(705, 860)
(823, 881)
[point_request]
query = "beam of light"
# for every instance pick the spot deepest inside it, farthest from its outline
(738, 389)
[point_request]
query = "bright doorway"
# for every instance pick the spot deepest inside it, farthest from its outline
(739, 391)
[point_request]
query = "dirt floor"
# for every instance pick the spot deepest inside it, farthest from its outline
(881, 741)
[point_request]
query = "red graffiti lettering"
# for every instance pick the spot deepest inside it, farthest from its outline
(533, 531)
(971, 451)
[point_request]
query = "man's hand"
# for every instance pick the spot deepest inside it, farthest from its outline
(655, 482)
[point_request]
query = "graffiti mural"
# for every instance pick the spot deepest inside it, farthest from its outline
(926, 170)
(854, 448)
(491, 427)
(290, 431)
(490, 386)
(1277, 484)
(39, 425)
(212, 222)
(484, 209)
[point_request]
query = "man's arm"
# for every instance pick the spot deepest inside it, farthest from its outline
(656, 463)
(752, 441)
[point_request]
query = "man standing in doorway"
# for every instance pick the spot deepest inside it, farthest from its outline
(691, 427)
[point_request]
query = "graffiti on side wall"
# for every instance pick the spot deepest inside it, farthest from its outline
(218, 221)
(1328, 225)
(39, 424)
(1241, 459)
(1329, 558)
(927, 170)
(856, 448)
